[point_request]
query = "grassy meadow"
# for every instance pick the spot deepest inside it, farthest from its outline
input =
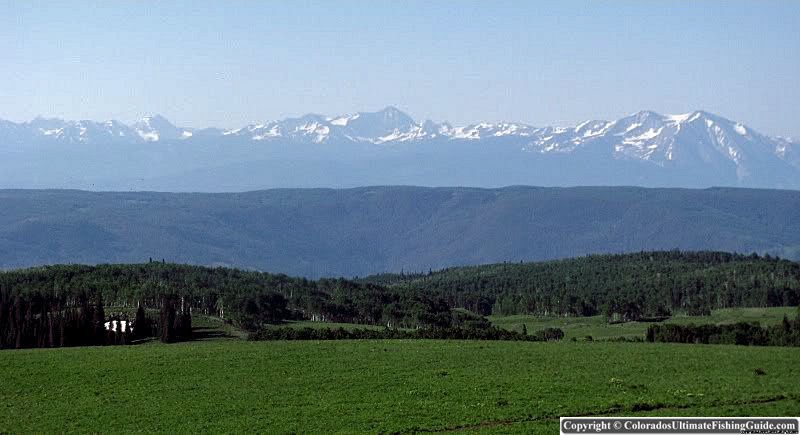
(598, 328)
(382, 386)
(223, 383)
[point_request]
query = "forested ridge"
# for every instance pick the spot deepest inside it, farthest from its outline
(41, 302)
(37, 304)
(623, 286)
(367, 230)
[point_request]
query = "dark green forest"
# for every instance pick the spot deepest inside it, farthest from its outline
(787, 333)
(40, 305)
(65, 305)
(623, 287)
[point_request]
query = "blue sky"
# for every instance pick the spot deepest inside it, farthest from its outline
(228, 64)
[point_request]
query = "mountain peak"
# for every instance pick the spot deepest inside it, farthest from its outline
(389, 120)
(156, 127)
(393, 113)
(391, 109)
(647, 114)
(702, 114)
(155, 119)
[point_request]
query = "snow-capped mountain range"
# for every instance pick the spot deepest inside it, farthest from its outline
(699, 146)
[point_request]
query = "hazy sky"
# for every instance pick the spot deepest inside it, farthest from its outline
(231, 63)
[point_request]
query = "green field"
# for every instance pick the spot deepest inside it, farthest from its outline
(222, 383)
(373, 386)
(324, 325)
(598, 328)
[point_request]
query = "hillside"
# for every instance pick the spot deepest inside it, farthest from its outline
(327, 232)
(628, 286)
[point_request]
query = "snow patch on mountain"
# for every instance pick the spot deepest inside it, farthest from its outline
(343, 120)
(52, 132)
(149, 136)
(156, 128)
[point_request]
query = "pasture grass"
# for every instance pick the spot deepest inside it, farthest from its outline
(598, 328)
(383, 385)
(299, 324)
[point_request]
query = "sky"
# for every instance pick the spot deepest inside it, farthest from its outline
(228, 64)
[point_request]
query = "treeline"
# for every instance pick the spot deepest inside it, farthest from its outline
(623, 287)
(451, 333)
(247, 299)
(38, 319)
(787, 333)
(74, 300)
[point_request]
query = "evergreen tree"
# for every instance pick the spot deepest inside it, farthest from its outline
(167, 321)
(140, 327)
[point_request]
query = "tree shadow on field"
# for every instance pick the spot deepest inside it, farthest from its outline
(202, 333)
